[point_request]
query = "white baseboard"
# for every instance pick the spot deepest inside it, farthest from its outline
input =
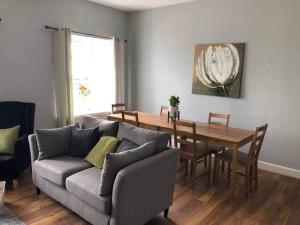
(279, 169)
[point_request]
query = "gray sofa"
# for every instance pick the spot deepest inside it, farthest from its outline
(141, 190)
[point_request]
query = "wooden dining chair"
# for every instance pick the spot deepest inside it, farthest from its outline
(217, 119)
(164, 112)
(164, 109)
(190, 149)
(247, 160)
(132, 117)
(118, 108)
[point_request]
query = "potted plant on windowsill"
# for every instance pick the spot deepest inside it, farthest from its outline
(174, 103)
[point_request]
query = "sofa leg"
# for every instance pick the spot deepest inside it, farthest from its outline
(38, 191)
(15, 184)
(166, 212)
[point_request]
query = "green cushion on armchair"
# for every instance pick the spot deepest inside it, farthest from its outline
(8, 138)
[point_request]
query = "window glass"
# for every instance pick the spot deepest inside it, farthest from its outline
(93, 76)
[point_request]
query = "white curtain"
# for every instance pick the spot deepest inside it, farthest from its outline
(63, 76)
(119, 58)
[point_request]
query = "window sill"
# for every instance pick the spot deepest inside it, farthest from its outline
(102, 115)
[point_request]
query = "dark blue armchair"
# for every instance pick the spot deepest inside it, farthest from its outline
(12, 114)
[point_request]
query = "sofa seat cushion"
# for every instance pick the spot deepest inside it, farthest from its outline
(59, 168)
(85, 186)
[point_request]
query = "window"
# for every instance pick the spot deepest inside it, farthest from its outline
(93, 74)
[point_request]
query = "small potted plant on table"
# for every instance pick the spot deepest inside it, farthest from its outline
(173, 108)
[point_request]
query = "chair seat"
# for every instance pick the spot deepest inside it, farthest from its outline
(59, 168)
(6, 157)
(215, 148)
(8, 170)
(85, 186)
(227, 155)
(187, 150)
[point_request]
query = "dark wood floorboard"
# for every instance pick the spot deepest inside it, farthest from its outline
(276, 202)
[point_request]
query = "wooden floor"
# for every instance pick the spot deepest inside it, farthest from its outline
(277, 202)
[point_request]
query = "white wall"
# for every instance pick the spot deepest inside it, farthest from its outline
(162, 44)
(26, 49)
(162, 47)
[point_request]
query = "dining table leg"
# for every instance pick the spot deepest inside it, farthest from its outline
(233, 171)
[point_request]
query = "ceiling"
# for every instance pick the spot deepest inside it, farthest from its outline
(136, 5)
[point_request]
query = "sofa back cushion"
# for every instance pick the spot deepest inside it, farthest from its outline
(53, 142)
(141, 136)
(106, 127)
(83, 140)
(114, 162)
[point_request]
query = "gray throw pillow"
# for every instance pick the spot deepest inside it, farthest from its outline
(106, 127)
(83, 140)
(114, 162)
(53, 142)
(90, 122)
(125, 145)
(141, 136)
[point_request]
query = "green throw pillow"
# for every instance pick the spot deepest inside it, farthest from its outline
(8, 138)
(105, 145)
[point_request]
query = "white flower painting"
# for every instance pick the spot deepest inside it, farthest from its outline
(218, 69)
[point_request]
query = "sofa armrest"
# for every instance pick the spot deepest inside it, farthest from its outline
(34, 150)
(144, 189)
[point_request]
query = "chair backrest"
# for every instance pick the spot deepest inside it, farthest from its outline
(184, 130)
(17, 113)
(134, 117)
(118, 108)
(218, 117)
(164, 109)
(175, 117)
(257, 141)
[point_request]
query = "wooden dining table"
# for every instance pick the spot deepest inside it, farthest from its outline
(229, 137)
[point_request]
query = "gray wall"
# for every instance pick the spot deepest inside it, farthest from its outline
(26, 49)
(162, 51)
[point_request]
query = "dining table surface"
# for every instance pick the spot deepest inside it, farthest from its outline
(229, 137)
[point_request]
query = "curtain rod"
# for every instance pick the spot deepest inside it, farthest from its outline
(85, 34)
